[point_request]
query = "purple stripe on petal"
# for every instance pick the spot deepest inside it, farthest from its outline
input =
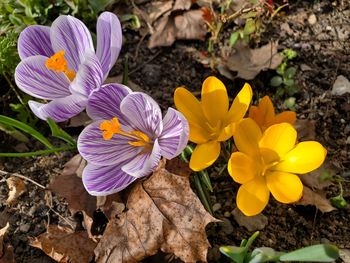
(34, 78)
(109, 40)
(143, 113)
(104, 103)
(35, 40)
(105, 180)
(59, 109)
(175, 134)
(98, 151)
(72, 36)
(89, 76)
(144, 164)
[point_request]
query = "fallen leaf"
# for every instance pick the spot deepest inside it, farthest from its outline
(306, 129)
(17, 188)
(82, 119)
(162, 212)
(109, 204)
(252, 223)
(249, 62)
(190, 25)
(2, 236)
(182, 4)
(65, 245)
(6, 250)
(157, 8)
(312, 179)
(178, 23)
(312, 198)
(70, 186)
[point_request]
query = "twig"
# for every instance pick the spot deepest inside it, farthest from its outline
(145, 63)
(23, 177)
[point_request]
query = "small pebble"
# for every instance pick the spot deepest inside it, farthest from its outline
(24, 228)
(227, 214)
(216, 207)
(312, 19)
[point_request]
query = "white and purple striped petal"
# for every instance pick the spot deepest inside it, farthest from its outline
(99, 151)
(89, 77)
(143, 114)
(104, 103)
(144, 164)
(175, 134)
(105, 180)
(72, 36)
(59, 109)
(34, 78)
(109, 40)
(35, 40)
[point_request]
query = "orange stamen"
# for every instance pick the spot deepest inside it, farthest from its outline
(109, 128)
(58, 63)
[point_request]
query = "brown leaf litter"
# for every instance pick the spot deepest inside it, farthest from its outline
(162, 213)
(17, 187)
(6, 251)
(171, 20)
(64, 245)
(312, 198)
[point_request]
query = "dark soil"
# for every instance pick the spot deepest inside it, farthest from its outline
(323, 53)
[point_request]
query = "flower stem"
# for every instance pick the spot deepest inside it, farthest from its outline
(37, 153)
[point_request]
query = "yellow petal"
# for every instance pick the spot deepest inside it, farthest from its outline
(247, 136)
(285, 187)
(225, 134)
(241, 168)
(198, 134)
(214, 100)
(304, 158)
(266, 112)
(204, 155)
(189, 106)
(252, 197)
(286, 116)
(280, 138)
(240, 105)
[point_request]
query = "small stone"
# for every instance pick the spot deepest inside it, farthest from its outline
(24, 228)
(227, 214)
(312, 19)
(252, 223)
(216, 207)
(348, 140)
(341, 86)
(305, 67)
(226, 226)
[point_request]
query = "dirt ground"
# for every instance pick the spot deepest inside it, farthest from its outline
(323, 49)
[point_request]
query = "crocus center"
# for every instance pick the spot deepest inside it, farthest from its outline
(138, 138)
(268, 159)
(58, 63)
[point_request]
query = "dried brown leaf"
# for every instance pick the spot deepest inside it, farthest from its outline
(306, 130)
(6, 251)
(249, 62)
(64, 245)
(312, 179)
(190, 25)
(70, 186)
(17, 188)
(312, 198)
(162, 213)
(156, 9)
(182, 4)
(82, 119)
(171, 25)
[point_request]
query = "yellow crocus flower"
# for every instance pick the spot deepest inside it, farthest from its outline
(211, 121)
(264, 114)
(268, 162)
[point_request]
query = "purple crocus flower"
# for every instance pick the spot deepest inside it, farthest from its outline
(127, 138)
(59, 63)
